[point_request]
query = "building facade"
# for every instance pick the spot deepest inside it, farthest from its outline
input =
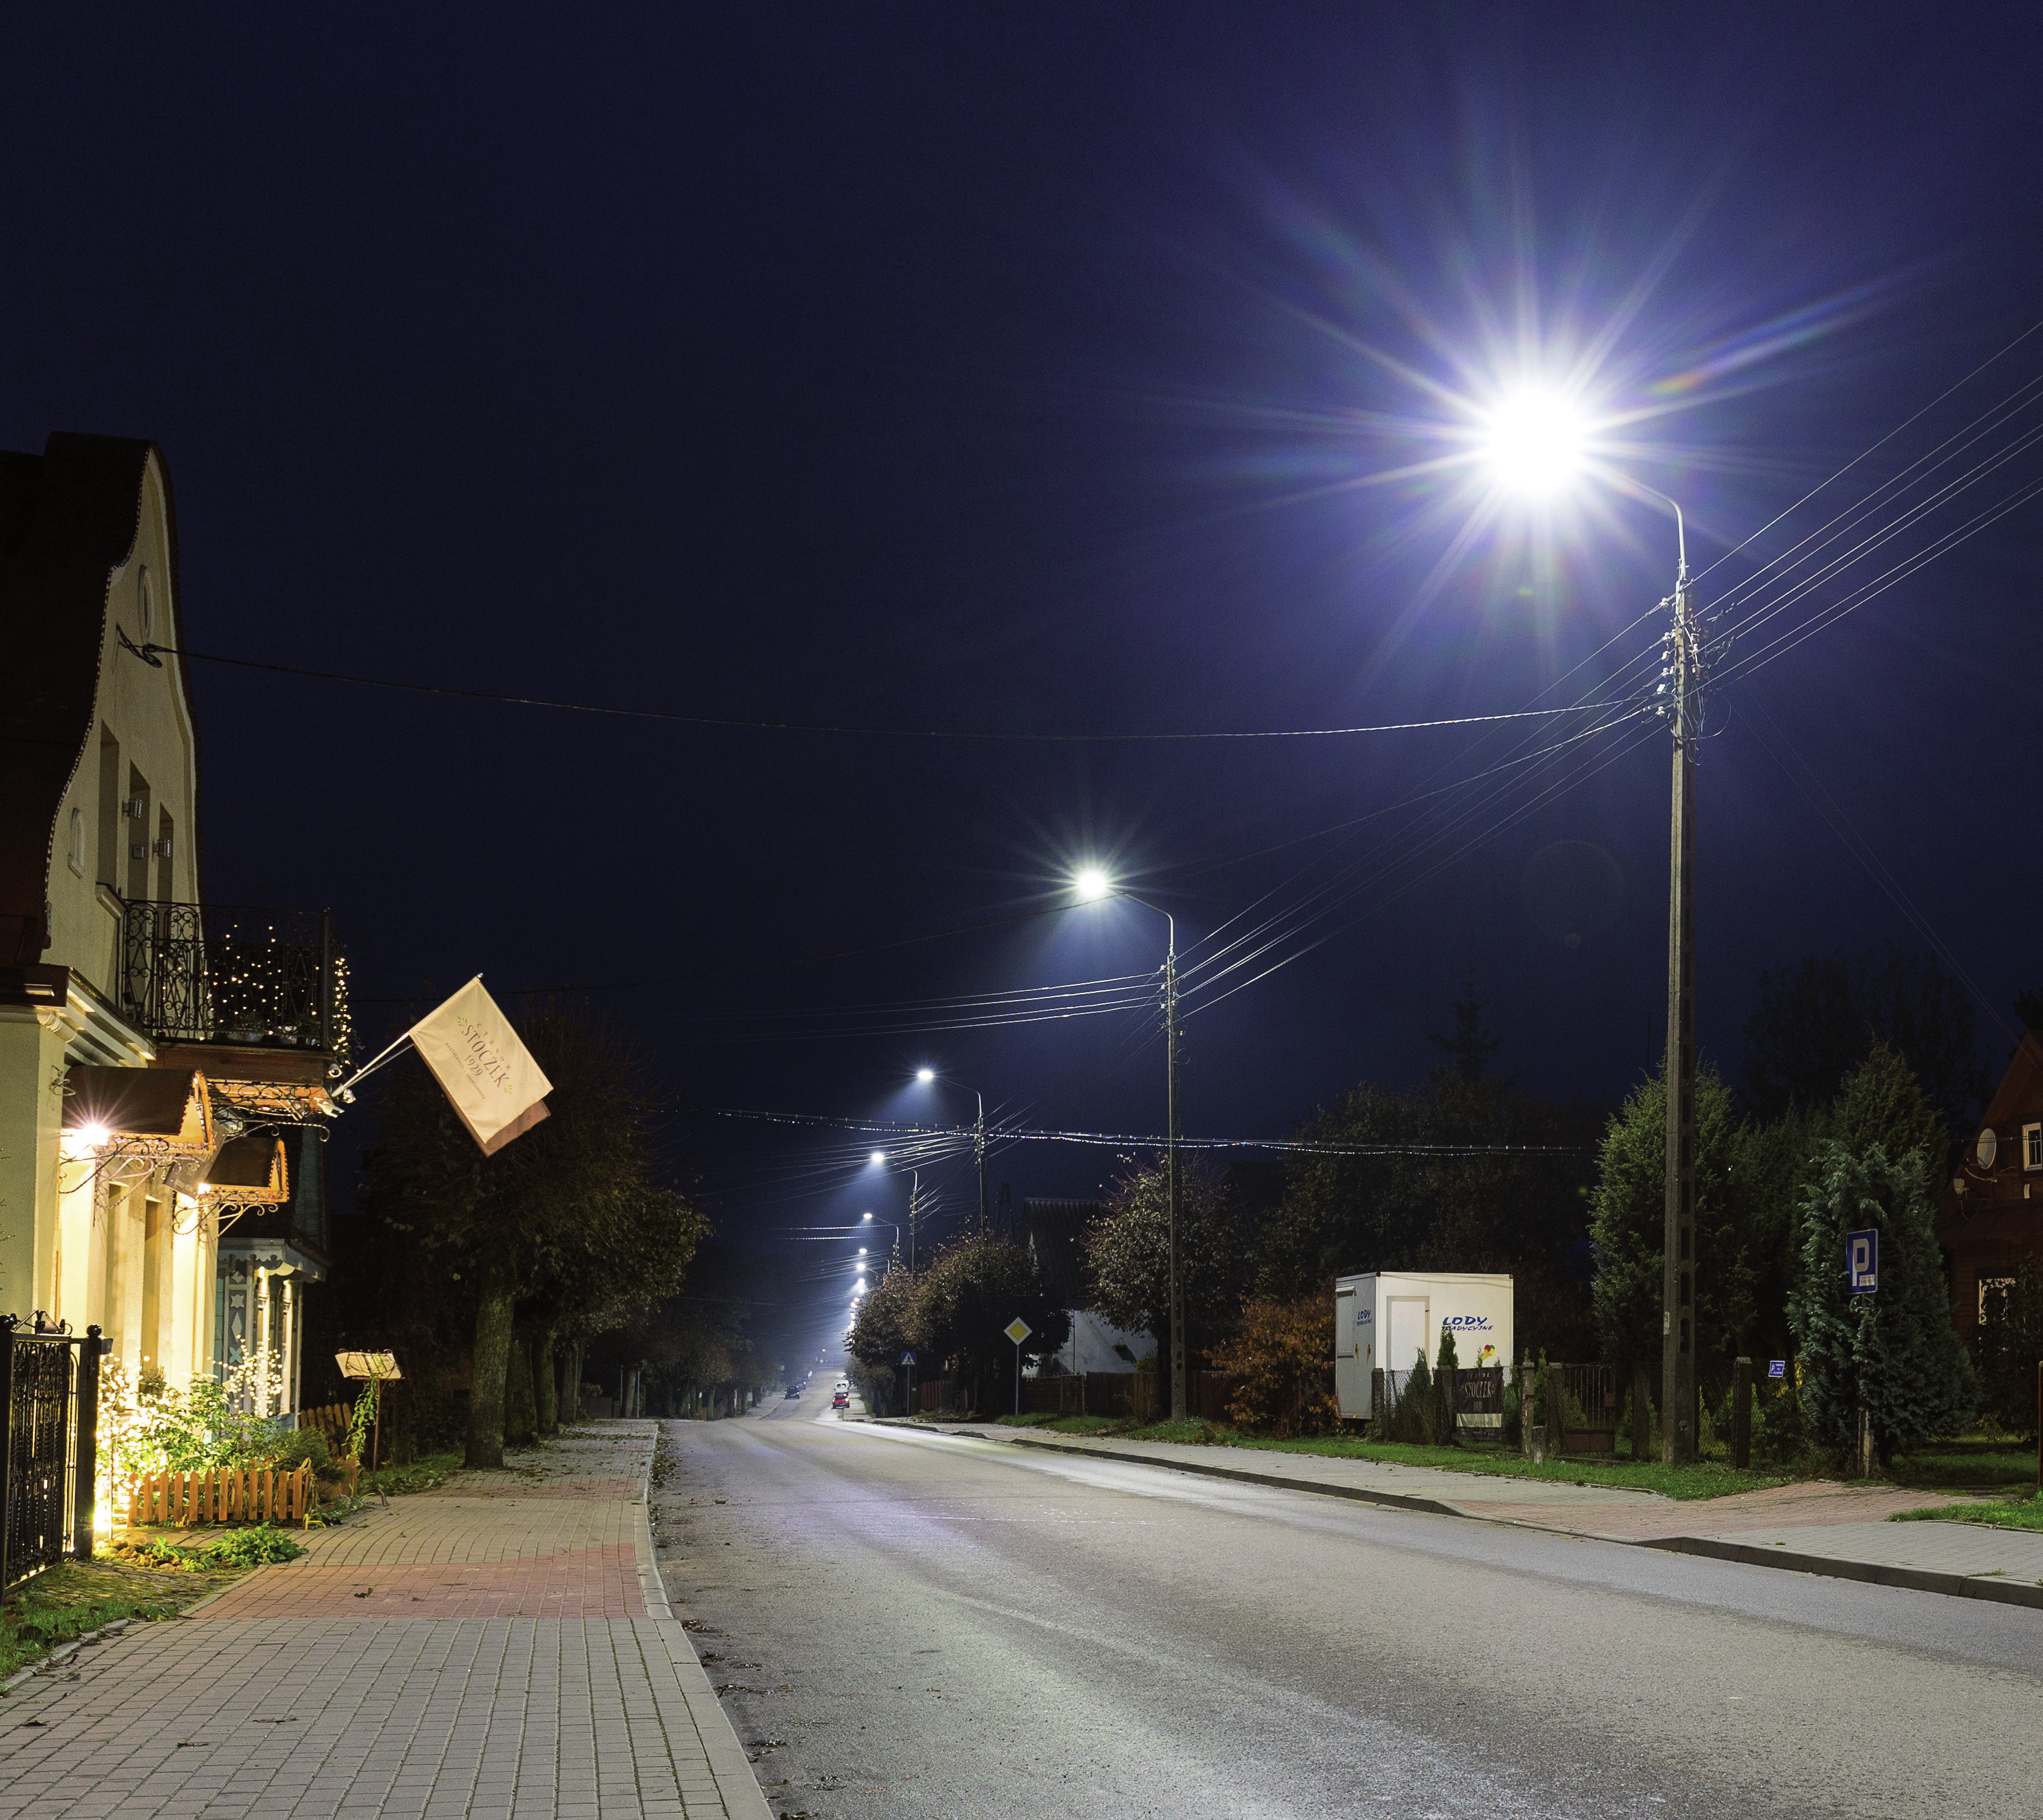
(1993, 1211)
(160, 1057)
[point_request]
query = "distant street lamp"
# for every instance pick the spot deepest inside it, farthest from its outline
(1093, 885)
(1536, 441)
(926, 1077)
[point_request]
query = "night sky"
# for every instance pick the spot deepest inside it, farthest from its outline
(1055, 370)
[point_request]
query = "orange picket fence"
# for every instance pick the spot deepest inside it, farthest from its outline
(186, 1499)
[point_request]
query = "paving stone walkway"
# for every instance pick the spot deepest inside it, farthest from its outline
(497, 1650)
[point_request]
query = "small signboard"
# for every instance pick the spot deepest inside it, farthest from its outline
(1017, 1329)
(1776, 1368)
(382, 1365)
(1862, 1261)
(907, 1358)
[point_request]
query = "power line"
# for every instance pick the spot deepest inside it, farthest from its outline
(149, 651)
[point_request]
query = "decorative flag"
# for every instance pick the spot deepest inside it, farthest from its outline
(490, 1076)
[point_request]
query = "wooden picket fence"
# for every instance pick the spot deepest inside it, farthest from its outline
(333, 1421)
(186, 1498)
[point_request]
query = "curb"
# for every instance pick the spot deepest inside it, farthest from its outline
(736, 1786)
(1391, 1500)
(63, 1653)
(1912, 1578)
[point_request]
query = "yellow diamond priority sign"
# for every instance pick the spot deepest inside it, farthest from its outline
(1017, 1329)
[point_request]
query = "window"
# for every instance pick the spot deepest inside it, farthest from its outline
(145, 607)
(1993, 1298)
(2032, 1147)
(74, 846)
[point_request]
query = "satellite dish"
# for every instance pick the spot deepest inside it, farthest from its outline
(1987, 1148)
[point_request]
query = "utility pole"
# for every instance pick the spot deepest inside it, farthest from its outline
(979, 1149)
(1171, 1171)
(1682, 706)
(914, 1212)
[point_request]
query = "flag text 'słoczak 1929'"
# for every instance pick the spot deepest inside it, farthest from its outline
(495, 1084)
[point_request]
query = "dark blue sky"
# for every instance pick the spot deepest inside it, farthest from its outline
(1013, 369)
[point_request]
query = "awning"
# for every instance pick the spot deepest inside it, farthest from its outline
(165, 1110)
(249, 1172)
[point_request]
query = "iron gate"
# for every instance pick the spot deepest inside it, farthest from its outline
(49, 1409)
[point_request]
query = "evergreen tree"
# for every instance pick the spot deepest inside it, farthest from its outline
(1628, 1222)
(1893, 1352)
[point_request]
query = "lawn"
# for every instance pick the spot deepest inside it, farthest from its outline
(1707, 1479)
(2011, 1513)
(1970, 1460)
(81, 1596)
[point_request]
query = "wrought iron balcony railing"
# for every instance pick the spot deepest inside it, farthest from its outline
(224, 973)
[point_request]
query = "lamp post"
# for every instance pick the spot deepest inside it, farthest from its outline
(866, 1219)
(1092, 886)
(926, 1076)
(1536, 440)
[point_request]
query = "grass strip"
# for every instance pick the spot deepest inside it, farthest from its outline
(1706, 1479)
(2013, 1513)
(79, 1596)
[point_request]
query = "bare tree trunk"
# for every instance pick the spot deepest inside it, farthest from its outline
(495, 1311)
(545, 1385)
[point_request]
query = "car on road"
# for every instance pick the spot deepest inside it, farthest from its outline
(843, 1384)
(841, 1399)
(794, 1390)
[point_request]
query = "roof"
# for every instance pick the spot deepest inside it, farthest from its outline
(1053, 1231)
(68, 518)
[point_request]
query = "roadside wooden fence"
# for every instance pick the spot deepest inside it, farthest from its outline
(186, 1498)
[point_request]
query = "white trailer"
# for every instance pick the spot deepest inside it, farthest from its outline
(1383, 1320)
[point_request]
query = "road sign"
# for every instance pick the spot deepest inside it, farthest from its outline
(1862, 1261)
(1017, 1329)
(907, 1358)
(1776, 1368)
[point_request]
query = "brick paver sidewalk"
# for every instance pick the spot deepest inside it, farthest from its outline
(498, 1649)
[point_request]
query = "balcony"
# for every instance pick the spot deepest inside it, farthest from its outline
(229, 976)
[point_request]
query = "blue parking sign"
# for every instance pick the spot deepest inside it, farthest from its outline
(1776, 1368)
(1862, 1261)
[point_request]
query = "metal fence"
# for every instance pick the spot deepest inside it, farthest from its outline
(49, 1410)
(1581, 1408)
(226, 973)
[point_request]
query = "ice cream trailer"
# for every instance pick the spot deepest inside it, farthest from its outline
(1382, 1322)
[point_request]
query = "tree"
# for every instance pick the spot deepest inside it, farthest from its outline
(1128, 1254)
(969, 1294)
(884, 1327)
(1892, 1353)
(566, 1219)
(1470, 1046)
(1628, 1221)
(1819, 1019)
(1280, 1352)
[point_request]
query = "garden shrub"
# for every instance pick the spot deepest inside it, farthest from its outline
(1280, 1353)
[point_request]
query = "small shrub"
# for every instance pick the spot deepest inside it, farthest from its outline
(303, 1446)
(254, 1547)
(1280, 1353)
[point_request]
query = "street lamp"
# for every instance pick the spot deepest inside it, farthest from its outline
(1537, 440)
(926, 1077)
(1093, 885)
(866, 1219)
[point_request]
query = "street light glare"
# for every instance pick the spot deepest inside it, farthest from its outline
(925, 1075)
(1533, 440)
(1092, 884)
(865, 1216)
(879, 1157)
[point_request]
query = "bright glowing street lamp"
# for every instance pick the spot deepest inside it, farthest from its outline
(928, 1076)
(1092, 884)
(1537, 440)
(879, 1158)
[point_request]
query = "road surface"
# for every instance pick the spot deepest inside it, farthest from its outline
(905, 1627)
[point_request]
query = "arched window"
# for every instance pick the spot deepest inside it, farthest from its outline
(147, 606)
(74, 849)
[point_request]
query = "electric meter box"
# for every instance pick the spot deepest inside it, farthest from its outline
(1382, 1321)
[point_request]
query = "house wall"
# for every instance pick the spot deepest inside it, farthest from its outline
(75, 1239)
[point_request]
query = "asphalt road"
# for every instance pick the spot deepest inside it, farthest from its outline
(907, 1627)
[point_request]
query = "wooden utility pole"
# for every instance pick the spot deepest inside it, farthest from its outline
(1682, 700)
